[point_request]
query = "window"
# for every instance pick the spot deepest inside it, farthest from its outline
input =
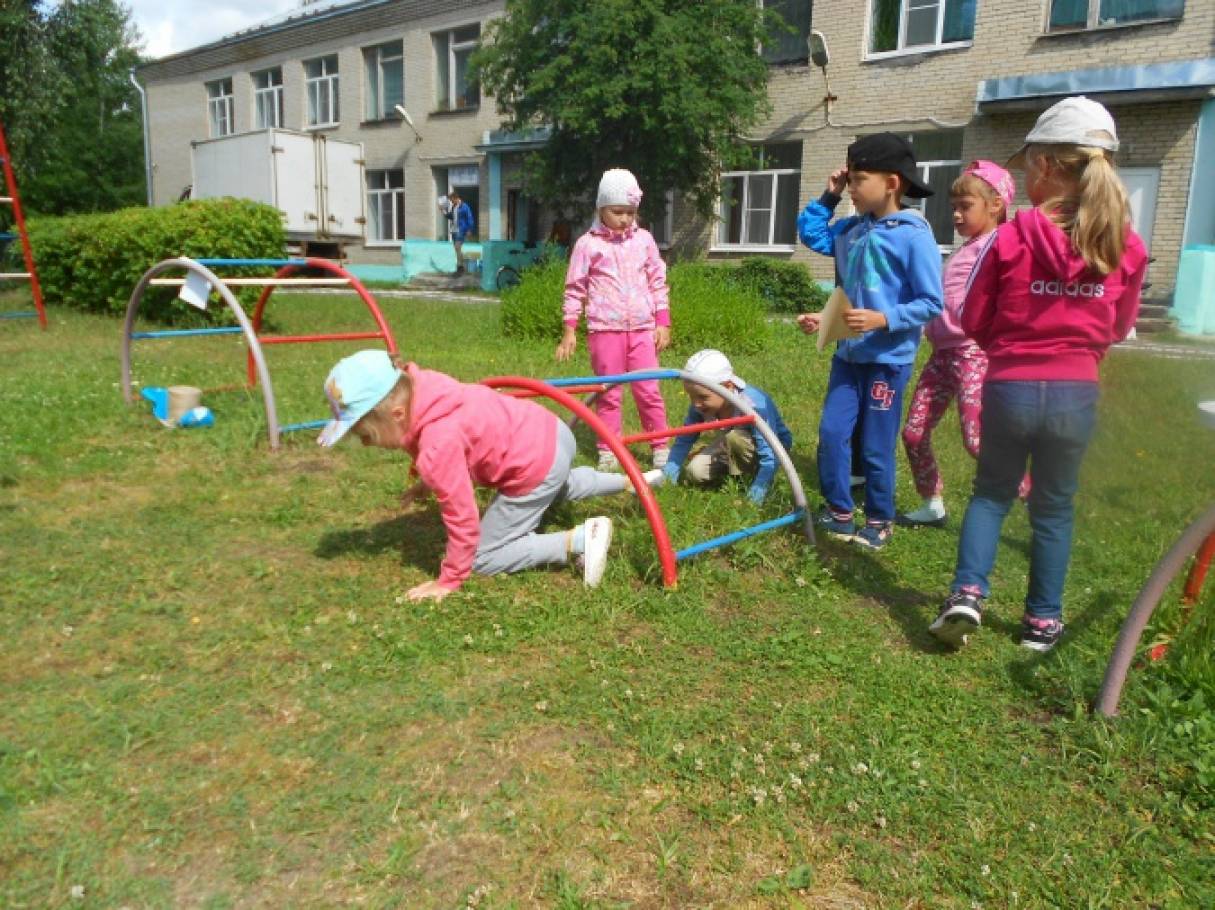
(939, 155)
(759, 207)
(788, 45)
(219, 107)
(268, 98)
(1068, 15)
(663, 229)
(321, 84)
(385, 205)
(896, 25)
(455, 87)
(385, 79)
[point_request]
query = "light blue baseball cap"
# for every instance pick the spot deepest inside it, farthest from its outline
(356, 385)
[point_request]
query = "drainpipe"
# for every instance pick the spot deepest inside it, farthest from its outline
(147, 143)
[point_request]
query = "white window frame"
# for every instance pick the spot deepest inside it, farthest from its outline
(901, 50)
(748, 245)
(220, 107)
(447, 100)
(1094, 20)
(378, 106)
(268, 98)
(376, 195)
(326, 82)
(923, 167)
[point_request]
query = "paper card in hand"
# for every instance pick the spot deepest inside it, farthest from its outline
(832, 326)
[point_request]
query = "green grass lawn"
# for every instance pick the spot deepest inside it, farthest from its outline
(212, 694)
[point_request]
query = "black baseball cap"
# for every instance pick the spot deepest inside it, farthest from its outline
(891, 154)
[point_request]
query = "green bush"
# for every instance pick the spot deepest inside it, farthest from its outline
(532, 308)
(93, 262)
(708, 308)
(786, 287)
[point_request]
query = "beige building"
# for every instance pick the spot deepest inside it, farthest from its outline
(964, 78)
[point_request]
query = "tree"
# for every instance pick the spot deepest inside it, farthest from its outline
(69, 110)
(666, 88)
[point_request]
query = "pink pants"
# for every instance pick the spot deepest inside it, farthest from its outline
(623, 352)
(949, 373)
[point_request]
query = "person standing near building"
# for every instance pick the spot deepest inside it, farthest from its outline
(462, 225)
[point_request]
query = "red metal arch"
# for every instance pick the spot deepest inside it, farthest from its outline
(324, 265)
(666, 555)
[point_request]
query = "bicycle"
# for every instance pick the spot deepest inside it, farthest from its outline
(508, 276)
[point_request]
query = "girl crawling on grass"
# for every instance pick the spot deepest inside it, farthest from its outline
(460, 435)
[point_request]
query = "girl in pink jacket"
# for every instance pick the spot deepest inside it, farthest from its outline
(981, 198)
(618, 277)
(1056, 287)
(461, 436)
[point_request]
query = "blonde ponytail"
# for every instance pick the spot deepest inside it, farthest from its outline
(1096, 216)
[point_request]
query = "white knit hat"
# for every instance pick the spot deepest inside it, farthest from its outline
(618, 187)
(714, 365)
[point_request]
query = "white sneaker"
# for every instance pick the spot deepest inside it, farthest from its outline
(607, 461)
(597, 533)
(660, 458)
(654, 478)
(930, 514)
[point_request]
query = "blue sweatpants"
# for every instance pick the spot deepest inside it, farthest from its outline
(877, 388)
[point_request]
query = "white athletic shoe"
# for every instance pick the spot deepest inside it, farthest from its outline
(597, 533)
(660, 457)
(607, 461)
(654, 478)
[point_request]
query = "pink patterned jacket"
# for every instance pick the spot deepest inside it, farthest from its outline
(620, 279)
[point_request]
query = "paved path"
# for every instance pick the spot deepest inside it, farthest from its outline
(402, 294)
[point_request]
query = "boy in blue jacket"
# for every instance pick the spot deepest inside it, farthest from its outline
(890, 268)
(735, 452)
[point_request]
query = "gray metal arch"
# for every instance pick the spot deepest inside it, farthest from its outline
(255, 347)
(742, 405)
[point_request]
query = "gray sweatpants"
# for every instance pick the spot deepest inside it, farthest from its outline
(509, 542)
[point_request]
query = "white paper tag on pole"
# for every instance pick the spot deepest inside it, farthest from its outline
(196, 290)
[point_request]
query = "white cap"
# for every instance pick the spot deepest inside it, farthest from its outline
(1072, 121)
(618, 187)
(713, 365)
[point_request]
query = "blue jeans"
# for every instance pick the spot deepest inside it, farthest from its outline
(1049, 425)
(876, 391)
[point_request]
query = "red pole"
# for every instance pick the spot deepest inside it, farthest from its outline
(10, 181)
(305, 339)
(690, 429)
(333, 268)
(1198, 572)
(666, 555)
(572, 389)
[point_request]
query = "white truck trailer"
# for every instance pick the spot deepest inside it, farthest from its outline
(316, 183)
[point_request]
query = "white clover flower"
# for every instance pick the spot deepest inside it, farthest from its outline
(677, 748)
(860, 769)
(399, 599)
(795, 747)
(922, 783)
(880, 821)
(352, 617)
(915, 764)
(77, 892)
(759, 758)
(853, 806)
(498, 633)
(795, 782)
(326, 666)
(985, 870)
(778, 793)
(812, 758)
(758, 795)
(468, 639)
(699, 764)
(1033, 827)
(541, 706)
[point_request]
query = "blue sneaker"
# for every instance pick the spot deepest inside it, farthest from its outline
(836, 526)
(961, 615)
(875, 535)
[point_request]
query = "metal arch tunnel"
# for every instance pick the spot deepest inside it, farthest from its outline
(258, 372)
(556, 390)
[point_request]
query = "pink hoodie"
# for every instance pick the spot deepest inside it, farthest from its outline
(945, 330)
(1039, 312)
(460, 435)
(620, 278)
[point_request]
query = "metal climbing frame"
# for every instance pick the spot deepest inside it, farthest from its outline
(11, 197)
(562, 392)
(257, 371)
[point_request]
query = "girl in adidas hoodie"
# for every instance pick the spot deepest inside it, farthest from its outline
(1059, 285)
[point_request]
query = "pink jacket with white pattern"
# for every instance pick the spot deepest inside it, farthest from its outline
(620, 280)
